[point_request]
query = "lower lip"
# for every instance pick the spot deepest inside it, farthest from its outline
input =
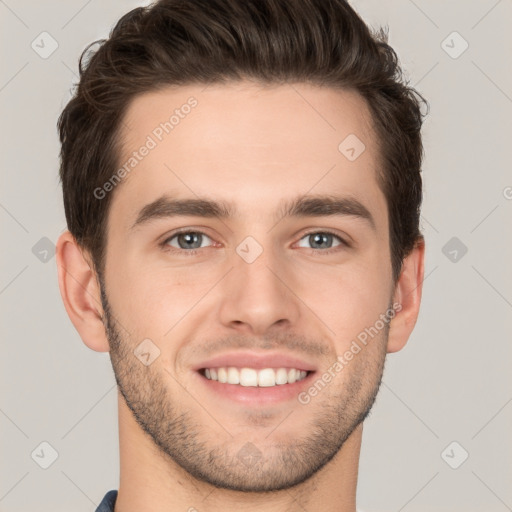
(256, 395)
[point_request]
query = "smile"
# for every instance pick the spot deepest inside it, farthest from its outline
(265, 377)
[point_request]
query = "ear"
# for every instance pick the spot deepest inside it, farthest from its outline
(80, 292)
(407, 298)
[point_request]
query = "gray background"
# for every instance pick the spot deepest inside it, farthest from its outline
(452, 381)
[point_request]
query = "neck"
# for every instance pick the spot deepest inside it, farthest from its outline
(150, 481)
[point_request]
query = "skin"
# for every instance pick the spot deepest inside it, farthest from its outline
(254, 146)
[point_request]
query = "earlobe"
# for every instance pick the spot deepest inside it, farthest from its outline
(80, 293)
(408, 298)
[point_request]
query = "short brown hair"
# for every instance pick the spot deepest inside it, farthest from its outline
(173, 42)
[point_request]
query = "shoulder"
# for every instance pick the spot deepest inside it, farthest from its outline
(108, 502)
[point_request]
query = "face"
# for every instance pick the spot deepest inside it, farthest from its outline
(255, 289)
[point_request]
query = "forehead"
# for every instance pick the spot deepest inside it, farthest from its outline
(248, 144)
(263, 117)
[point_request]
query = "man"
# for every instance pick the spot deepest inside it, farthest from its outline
(242, 189)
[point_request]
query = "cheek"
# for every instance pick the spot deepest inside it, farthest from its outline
(153, 300)
(350, 301)
(348, 297)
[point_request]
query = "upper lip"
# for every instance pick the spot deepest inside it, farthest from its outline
(256, 360)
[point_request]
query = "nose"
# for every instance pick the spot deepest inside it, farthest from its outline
(259, 296)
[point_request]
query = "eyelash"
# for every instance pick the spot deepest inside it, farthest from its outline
(164, 245)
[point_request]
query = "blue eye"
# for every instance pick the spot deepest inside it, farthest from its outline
(189, 242)
(185, 240)
(320, 237)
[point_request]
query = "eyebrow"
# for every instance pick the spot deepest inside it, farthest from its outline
(301, 206)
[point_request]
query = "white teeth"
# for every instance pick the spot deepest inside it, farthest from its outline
(248, 377)
(281, 376)
(266, 377)
(222, 375)
(233, 376)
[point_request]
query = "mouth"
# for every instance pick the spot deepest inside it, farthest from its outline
(254, 377)
(255, 386)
